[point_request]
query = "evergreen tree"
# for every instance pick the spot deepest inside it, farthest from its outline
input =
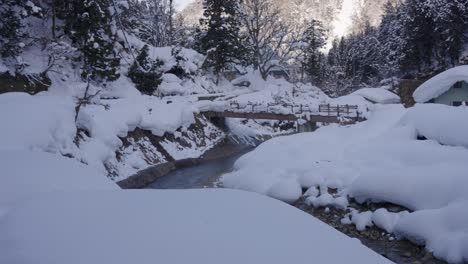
(12, 25)
(451, 23)
(145, 73)
(315, 39)
(420, 37)
(91, 31)
(10, 30)
(221, 43)
(391, 38)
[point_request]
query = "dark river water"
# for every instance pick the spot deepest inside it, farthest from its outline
(205, 175)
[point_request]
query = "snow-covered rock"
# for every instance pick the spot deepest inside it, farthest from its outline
(440, 84)
(157, 226)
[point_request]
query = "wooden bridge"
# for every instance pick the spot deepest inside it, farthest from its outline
(343, 114)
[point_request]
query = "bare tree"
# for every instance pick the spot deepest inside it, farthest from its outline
(270, 41)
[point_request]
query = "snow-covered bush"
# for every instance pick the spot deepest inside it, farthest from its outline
(145, 72)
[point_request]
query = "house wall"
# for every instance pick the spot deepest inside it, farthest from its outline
(454, 94)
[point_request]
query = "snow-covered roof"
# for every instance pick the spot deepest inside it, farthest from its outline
(278, 68)
(440, 84)
(378, 95)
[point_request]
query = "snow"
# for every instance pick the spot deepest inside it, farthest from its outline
(287, 190)
(159, 226)
(444, 124)
(443, 231)
(440, 84)
(379, 160)
(112, 119)
(188, 60)
(387, 220)
(362, 220)
(29, 174)
(46, 122)
(378, 95)
(381, 218)
(37, 122)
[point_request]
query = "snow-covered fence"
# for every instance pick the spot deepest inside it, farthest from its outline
(284, 111)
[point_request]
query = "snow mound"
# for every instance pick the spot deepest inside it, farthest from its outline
(442, 231)
(378, 95)
(157, 226)
(440, 84)
(37, 122)
(286, 190)
(445, 124)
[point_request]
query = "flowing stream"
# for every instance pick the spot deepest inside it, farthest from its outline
(205, 175)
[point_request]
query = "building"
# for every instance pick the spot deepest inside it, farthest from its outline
(279, 72)
(456, 96)
(449, 88)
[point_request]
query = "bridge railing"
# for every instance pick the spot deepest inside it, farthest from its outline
(296, 109)
(339, 110)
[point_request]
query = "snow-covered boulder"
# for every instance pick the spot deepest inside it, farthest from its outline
(171, 89)
(440, 84)
(378, 95)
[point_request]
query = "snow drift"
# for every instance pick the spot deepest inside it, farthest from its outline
(158, 226)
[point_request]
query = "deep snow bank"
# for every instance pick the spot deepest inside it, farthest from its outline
(158, 226)
(99, 139)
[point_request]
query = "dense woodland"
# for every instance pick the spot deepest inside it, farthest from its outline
(415, 38)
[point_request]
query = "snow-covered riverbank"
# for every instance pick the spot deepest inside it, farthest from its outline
(380, 160)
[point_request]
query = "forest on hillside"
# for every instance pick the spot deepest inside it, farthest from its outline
(411, 39)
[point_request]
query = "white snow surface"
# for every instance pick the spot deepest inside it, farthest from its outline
(440, 84)
(442, 230)
(39, 122)
(379, 160)
(158, 226)
(378, 95)
(29, 174)
(444, 124)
